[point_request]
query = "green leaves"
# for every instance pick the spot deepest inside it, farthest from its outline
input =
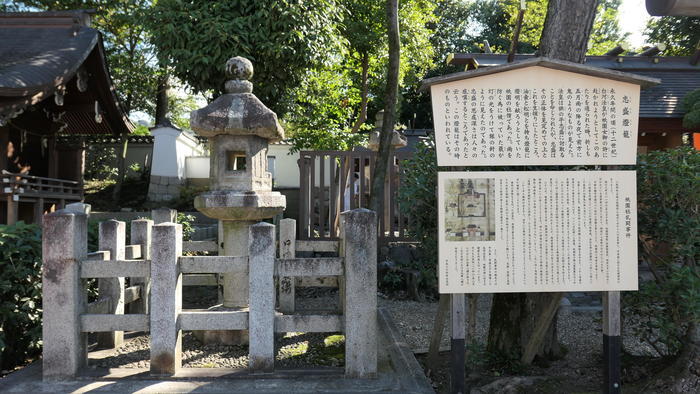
(418, 200)
(283, 40)
(668, 195)
(20, 292)
(680, 33)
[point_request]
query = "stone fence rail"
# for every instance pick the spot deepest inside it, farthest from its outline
(157, 271)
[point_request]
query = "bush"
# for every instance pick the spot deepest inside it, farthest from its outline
(20, 293)
(668, 193)
(418, 200)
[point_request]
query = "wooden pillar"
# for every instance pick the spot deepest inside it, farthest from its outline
(458, 344)
(612, 341)
(4, 140)
(52, 170)
(12, 209)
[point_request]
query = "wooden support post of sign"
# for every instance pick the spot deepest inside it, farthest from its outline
(458, 349)
(612, 341)
(438, 327)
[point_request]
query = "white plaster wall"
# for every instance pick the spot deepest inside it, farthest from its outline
(197, 167)
(286, 168)
(171, 147)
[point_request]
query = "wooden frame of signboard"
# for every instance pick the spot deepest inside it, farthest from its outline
(478, 115)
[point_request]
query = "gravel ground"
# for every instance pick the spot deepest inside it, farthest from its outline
(580, 332)
(294, 350)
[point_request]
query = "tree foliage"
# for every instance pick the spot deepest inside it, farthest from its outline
(349, 90)
(283, 39)
(681, 34)
(691, 108)
(20, 293)
(668, 195)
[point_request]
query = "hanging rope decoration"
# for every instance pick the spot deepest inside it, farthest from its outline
(59, 95)
(98, 113)
(82, 80)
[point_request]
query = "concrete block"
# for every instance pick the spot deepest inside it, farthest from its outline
(261, 322)
(360, 250)
(141, 234)
(287, 251)
(163, 215)
(64, 245)
(112, 237)
(166, 296)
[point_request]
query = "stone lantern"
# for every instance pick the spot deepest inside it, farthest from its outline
(239, 128)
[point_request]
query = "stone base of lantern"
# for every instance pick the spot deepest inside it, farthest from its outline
(227, 337)
(223, 337)
(236, 205)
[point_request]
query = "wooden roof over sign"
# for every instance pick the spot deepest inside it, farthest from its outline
(679, 76)
(44, 54)
(555, 64)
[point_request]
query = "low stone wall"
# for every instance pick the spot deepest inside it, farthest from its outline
(164, 188)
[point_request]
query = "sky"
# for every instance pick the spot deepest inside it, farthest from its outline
(633, 18)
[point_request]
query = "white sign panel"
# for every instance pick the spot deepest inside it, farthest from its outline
(535, 116)
(537, 231)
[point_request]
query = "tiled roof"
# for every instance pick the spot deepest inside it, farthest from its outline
(42, 53)
(678, 77)
(664, 100)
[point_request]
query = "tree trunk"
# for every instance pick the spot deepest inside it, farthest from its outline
(162, 107)
(392, 88)
(567, 29)
(362, 117)
(524, 324)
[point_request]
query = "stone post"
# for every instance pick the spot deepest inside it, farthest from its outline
(166, 293)
(261, 318)
(235, 240)
(112, 237)
(141, 230)
(360, 252)
(163, 215)
(288, 238)
(64, 245)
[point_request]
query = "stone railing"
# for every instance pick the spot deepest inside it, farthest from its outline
(155, 264)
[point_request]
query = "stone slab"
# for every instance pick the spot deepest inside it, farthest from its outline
(309, 323)
(214, 320)
(107, 323)
(114, 268)
(213, 264)
(321, 266)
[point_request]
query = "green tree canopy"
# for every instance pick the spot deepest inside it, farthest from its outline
(681, 34)
(340, 95)
(283, 40)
